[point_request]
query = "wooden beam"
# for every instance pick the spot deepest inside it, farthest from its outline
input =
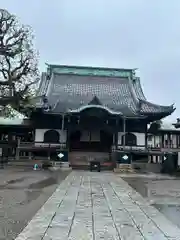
(124, 132)
(62, 126)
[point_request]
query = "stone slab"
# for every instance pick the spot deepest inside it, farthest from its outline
(94, 206)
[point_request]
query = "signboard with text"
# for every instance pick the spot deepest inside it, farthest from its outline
(62, 156)
(124, 158)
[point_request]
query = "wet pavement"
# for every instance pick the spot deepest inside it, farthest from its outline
(22, 193)
(172, 212)
(162, 192)
(95, 206)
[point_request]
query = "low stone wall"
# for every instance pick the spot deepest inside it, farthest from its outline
(148, 167)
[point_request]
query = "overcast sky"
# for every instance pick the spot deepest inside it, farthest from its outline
(111, 33)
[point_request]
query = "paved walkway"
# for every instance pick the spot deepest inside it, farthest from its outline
(93, 206)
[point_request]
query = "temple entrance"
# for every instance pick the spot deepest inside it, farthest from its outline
(91, 140)
(106, 140)
(74, 140)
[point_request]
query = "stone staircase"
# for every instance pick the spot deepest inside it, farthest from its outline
(124, 168)
(81, 160)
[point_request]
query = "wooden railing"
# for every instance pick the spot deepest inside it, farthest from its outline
(41, 145)
(135, 148)
(6, 142)
(164, 146)
(142, 148)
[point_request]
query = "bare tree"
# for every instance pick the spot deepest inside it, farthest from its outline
(18, 62)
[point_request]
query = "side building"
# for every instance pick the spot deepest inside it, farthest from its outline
(163, 137)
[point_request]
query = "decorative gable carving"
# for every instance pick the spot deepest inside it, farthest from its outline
(95, 101)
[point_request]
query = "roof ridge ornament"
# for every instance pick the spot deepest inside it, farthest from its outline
(46, 106)
(95, 101)
(90, 71)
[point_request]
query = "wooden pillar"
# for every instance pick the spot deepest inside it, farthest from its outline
(9, 149)
(30, 155)
(62, 126)
(149, 158)
(146, 136)
(49, 156)
(168, 138)
(17, 149)
(176, 143)
(33, 135)
(114, 140)
(162, 139)
(116, 134)
(124, 132)
(67, 139)
(154, 137)
(68, 133)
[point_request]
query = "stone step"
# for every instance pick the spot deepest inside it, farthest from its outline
(124, 168)
(80, 167)
(86, 167)
(118, 170)
(83, 158)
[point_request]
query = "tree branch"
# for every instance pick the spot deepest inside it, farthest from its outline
(18, 61)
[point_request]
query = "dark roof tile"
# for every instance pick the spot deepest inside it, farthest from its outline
(148, 107)
(66, 92)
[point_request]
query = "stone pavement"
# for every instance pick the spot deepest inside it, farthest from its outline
(93, 206)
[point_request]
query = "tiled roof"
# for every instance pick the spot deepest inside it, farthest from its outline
(66, 92)
(148, 107)
(14, 121)
(166, 126)
(122, 95)
(138, 89)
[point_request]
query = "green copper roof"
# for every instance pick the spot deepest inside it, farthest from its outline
(91, 71)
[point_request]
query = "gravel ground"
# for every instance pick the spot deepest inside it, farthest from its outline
(22, 193)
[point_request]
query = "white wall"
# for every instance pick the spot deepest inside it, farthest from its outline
(140, 138)
(120, 134)
(39, 135)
